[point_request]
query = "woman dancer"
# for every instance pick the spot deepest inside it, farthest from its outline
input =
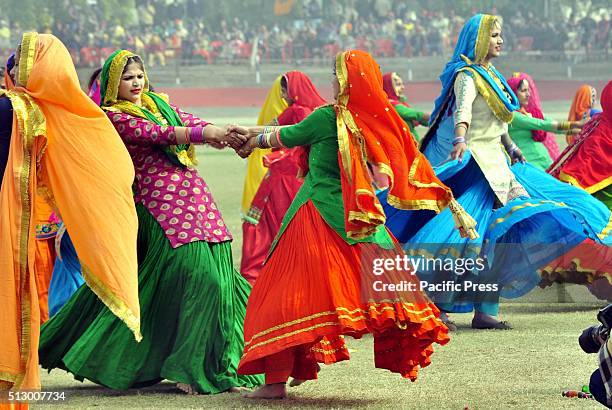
(586, 163)
(394, 88)
(64, 145)
(582, 106)
(515, 206)
(192, 299)
(256, 171)
(528, 128)
(311, 290)
(282, 182)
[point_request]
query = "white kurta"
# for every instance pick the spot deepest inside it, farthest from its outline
(484, 139)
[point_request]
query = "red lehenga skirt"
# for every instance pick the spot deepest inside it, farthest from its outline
(587, 264)
(311, 292)
(268, 208)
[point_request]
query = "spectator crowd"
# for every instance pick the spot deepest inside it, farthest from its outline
(314, 29)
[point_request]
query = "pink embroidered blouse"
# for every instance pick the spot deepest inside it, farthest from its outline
(176, 196)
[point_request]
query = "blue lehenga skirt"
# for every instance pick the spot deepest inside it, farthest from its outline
(514, 241)
(66, 278)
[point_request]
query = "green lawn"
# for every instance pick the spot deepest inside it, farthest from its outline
(527, 367)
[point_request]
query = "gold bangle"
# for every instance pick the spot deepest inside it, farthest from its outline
(565, 126)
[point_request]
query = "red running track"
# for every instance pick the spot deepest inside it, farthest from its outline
(424, 92)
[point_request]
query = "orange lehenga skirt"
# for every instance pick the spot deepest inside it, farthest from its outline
(45, 253)
(311, 292)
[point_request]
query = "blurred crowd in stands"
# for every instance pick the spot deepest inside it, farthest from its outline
(308, 30)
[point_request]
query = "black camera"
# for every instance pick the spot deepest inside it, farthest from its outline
(592, 338)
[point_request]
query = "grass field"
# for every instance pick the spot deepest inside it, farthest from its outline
(527, 367)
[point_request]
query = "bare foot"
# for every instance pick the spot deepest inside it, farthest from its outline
(187, 389)
(268, 391)
(296, 382)
(237, 390)
(452, 327)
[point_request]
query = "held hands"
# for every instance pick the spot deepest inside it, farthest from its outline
(248, 139)
(579, 124)
(232, 136)
(576, 126)
(247, 148)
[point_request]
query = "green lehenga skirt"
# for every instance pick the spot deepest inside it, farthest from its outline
(193, 304)
(605, 196)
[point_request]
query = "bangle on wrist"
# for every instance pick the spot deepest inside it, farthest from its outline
(260, 140)
(459, 140)
(512, 148)
(279, 143)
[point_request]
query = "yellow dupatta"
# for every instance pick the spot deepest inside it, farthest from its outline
(64, 146)
(272, 108)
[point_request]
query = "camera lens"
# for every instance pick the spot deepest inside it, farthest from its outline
(589, 339)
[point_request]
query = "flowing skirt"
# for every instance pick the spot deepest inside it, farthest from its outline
(263, 221)
(516, 240)
(313, 290)
(192, 305)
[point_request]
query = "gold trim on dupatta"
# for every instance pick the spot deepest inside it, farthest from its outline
(345, 122)
(113, 303)
(343, 97)
(31, 124)
(114, 76)
(481, 48)
(26, 56)
(488, 93)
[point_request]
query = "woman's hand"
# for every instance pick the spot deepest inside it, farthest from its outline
(247, 148)
(517, 156)
(577, 125)
(580, 124)
(458, 151)
(220, 138)
(235, 136)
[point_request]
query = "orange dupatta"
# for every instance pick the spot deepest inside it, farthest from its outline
(371, 131)
(581, 104)
(62, 144)
(45, 252)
